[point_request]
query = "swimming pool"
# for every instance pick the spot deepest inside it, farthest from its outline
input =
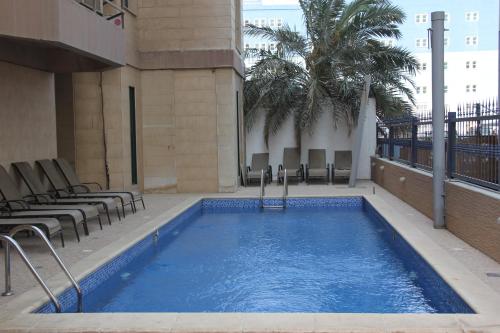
(227, 255)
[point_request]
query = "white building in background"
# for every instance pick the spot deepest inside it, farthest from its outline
(471, 45)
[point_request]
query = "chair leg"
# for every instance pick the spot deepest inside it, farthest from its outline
(85, 227)
(118, 213)
(100, 222)
(62, 238)
(76, 231)
(144, 205)
(106, 209)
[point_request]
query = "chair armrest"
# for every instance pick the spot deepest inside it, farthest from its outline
(85, 187)
(93, 183)
(302, 171)
(248, 168)
(270, 174)
(280, 167)
(5, 209)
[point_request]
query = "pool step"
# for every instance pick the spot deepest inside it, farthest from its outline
(274, 207)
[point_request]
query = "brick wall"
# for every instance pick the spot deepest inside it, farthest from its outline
(471, 212)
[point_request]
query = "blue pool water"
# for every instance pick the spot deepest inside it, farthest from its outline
(339, 256)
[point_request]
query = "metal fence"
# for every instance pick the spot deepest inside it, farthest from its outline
(472, 142)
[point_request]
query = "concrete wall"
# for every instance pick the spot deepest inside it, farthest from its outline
(471, 212)
(27, 114)
(324, 136)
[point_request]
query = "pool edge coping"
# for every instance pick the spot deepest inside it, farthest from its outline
(481, 298)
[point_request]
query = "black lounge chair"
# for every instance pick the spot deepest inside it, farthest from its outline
(36, 188)
(260, 162)
(291, 162)
(50, 226)
(14, 206)
(74, 184)
(317, 168)
(61, 189)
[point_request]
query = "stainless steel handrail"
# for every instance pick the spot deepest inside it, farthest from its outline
(262, 188)
(9, 241)
(40, 234)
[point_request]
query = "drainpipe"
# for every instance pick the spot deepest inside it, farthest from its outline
(438, 145)
(498, 94)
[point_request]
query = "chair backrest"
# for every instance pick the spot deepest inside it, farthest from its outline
(343, 159)
(317, 158)
(55, 179)
(260, 161)
(291, 158)
(67, 171)
(8, 187)
(29, 177)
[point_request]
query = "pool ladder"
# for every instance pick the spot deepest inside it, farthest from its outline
(8, 241)
(262, 192)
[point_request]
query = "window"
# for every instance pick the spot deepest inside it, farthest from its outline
(474, 64)
(422, 90)
(263, 46)
(256, 46)
(446, 17)
(474, 88)
(421, 18)
(446, 41)
(421, 42)
(247, 46)
(133, 135)
(256, 22)
(272, 47)
(388, 42)
(279, 22)
(422, 66)
(263, 22)
(471, 40)
(445, 65)
(445, 89)
(422, 107)
(247, 22)
(472, 16)
(271, 22)
(471, 88)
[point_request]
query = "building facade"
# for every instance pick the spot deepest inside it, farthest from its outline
(471, 43)
(134, 93)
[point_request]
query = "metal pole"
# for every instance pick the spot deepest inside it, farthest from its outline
(8, 285)
(438, 144)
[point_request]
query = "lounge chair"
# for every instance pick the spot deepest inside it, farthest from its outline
(317, 168)
(61, 188)
(260, 162)
(50, 226)
(291, 162)
(14, 206)
(74, 184)
(342, 165)
(40, 195)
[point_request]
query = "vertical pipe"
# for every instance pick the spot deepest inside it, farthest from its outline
(438, 145)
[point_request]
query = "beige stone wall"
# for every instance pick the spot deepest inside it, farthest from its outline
(27, 114)
(185, 25)
(471, 212)
(114, 98)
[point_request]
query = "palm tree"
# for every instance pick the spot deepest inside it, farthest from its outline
(325, 70)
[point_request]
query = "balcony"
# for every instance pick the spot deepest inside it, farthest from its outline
(61, 36)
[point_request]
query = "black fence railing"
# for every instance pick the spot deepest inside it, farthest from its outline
(472, 142)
